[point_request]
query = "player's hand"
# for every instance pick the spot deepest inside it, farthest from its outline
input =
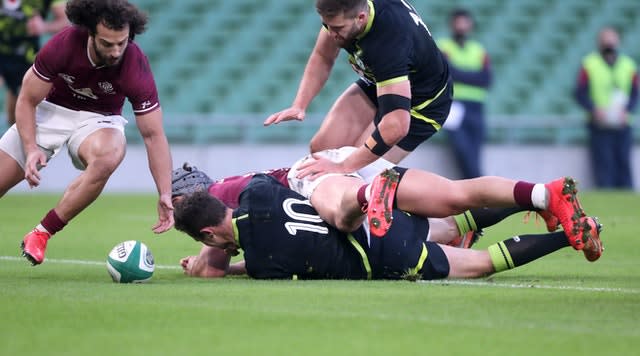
(317, 166)
(35, 159)
(165, 214)
(291, 113)
(187, 263)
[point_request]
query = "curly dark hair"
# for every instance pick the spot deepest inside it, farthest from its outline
(332, 8)
(197, 211)
(114, 14)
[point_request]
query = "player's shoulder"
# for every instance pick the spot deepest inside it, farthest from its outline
(135, 64)
(135, 55)
(61, 47)
(390, 25)
(135, 49)
(389, 12)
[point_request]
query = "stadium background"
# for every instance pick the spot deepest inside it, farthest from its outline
(222, 66)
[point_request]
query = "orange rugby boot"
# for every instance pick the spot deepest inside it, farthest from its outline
(380, 209)
(563, 204)
(593, 246)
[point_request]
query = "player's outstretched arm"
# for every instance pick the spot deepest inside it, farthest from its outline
(32, 93)
(315, 75)
(237, 268)
(212, 262)
(160, 165)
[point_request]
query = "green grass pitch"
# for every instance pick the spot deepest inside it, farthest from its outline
(560, 305)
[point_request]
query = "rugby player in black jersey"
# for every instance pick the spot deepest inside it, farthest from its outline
(282, 236)
(404, 92)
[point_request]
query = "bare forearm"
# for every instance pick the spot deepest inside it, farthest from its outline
(237, 268)
(359, 159)
(160, 163)
(202, 269)
(317, 71)
(315, 76)
(26, 122)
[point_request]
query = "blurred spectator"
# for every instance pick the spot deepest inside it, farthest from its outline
(471, 72)
(22, 23)
(607, 89)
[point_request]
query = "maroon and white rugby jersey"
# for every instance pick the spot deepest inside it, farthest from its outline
(79, 85)
(228, 189)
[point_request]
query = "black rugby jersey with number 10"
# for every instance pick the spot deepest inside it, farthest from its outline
(283, 237)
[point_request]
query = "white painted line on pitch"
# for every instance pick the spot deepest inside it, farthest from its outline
(531, 286)
(477, 283)
(75, 262)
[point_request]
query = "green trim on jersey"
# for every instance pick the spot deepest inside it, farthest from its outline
(363, 255)
(415, 111)
(234, 223)
(392, 81)
(423, 257)
(372, 15)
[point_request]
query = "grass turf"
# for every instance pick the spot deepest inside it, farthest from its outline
(558, 305)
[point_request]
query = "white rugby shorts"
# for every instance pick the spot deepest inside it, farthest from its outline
(57, 126)
(305, 186)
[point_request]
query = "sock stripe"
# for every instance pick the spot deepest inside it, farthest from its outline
(506, 255)
(500, 257)
(470, 220)
(465, 222)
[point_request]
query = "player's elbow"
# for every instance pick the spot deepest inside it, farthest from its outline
(395, 127)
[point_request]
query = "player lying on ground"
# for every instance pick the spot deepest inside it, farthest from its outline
(461, 230)
(282, 236)
(341, 198)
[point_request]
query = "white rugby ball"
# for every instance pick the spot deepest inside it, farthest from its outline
(130, 262)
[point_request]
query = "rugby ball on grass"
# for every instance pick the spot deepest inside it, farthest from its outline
(130, 262)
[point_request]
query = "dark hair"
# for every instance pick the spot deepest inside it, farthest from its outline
(460, 12)
(196, 211)
(114, 14)
(332, 8)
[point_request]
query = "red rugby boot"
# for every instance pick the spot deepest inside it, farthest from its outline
(34, 246)
(563, 203)
(593, 245)
(467, 240)
(380, 209)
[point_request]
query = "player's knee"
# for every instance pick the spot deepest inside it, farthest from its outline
(104, 165)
